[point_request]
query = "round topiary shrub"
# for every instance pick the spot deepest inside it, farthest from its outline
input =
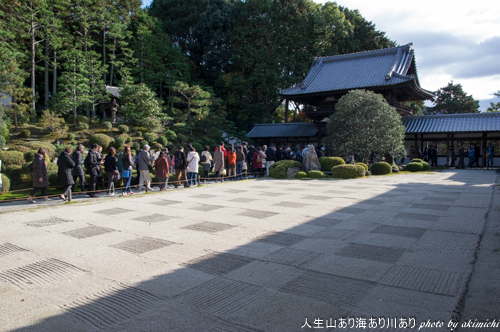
(29, 156)
(348, 171)
(139, 133)
(162, 140)
(198, 147)
(415, 167)
(50, 148)
(300, 175)
(365, 166)
(279, 169)
(315, 174)
(9, 158)
(82, 126)
(171, 135)
(2, 142)
(328, 162)
(426, 166)
(101, 139)
(119, 142)
(20, 148)
(71, 136)
(156, 146)
(128, 140)
(150, 137)
(25, 133)
(416, 160)
(107, 125)
(123, 129)
(381, 168)
(136, 146)
(143, 142)
(81, 119)
(5, 184)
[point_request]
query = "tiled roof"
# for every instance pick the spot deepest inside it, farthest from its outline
(452, 123)
(298, 129)
(113, 90)
(377, 68)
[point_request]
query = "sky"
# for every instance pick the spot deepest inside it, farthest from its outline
(454, 40)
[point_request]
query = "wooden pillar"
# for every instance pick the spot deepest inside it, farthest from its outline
(483, 146)
(286, 110)
(415, 146)
(422, 142)
(447, 149)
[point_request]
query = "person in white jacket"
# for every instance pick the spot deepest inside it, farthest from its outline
(192, 169)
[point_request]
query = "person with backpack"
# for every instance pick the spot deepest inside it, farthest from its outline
(180, 168)
(78, 172)
(144, 167)
(193, 159)
(206, 160)
(65, 172)
(111, 169)
(40, 179)
(93, 165)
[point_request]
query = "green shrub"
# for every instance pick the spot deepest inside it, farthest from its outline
(198, 147)
(4, 132)
(136, 146)
(279, 169)
(426, 166)
(50, 148)
(101, 139)
(82, 119)
(315, 174)
(82, 126)
(349, 171)
(150, 137)
(71, 136)
(107, 125)
(365, 166)
(416, 160)
(328, 162)
(139, 133)
(29, 156)
(2, 142)
(300, 175)
(5, 184)
(20, 148)
(415, 167)
(128, 140)
(123, 129)
(13, 170)
(381, 168)
(171, 135)
(119, 142)
(162, 140)
(143, 142)
(9, 158)
(25, 133)
(200, 170)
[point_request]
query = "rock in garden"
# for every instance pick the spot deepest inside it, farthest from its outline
(292, 171)
(310, 161)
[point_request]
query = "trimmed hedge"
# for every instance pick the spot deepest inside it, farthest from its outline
(82, 126)
(119, 142)
(198, 147)
(426, 166)
(136, 146)
(29, 156)
(107, 125)
(79, 119)
(10, 158)
(149, 137)
(101, 139)
(415, 167)
(5, 184)
(416, 160)
(51, 149)
(300, 175)
(348, 171)
(25, 133)
(71, 136)
(123, 129)
(20, 148)
(2, 141)
(315, 174)
(328, 162)
(279, 169)
(162, 140)
(381, 168)
(365, 166)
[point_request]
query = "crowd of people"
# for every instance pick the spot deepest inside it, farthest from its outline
(472, 152)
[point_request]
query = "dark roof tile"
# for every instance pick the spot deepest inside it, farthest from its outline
(452, 123)
(297, 129)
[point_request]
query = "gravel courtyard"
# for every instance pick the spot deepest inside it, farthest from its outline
(256, 255)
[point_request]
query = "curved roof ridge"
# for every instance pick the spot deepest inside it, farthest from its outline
(363, 54)
(452, 115)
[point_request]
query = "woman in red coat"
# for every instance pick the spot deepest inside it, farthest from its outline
(257, 161)
(162, 167)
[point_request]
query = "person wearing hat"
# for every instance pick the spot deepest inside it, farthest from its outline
(143, 165)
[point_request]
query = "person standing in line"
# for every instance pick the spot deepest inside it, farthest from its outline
(93, 165)
(412, 153)
(119, 160)
(257, 162)
(470, 152)
(270, 157)
(477, 154)
(435, 155)
(127, 167)
(193, 159)
(206, 161)
(218, 164)
(65, 172)
(425, 154)
(40, 179)
(78, 169)
(231, 163)
(240, 159)
(245, 148)
(162, 168)
(461, 156)
(453, 156)
(143, 166)
(180, 167)
(490, 153)
(110, 168)
(249, 158)
(100, 178)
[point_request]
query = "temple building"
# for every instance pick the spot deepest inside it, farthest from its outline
(391, 72)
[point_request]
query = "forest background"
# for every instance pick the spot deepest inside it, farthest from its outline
(193, 67)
